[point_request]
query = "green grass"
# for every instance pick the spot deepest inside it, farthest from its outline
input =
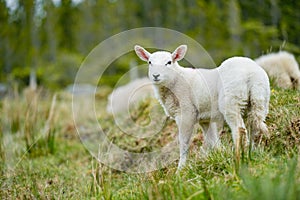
(41, 156)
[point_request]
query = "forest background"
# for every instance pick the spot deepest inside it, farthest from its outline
(50, 39)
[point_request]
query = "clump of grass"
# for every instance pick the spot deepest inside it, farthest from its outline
(101, 186)
(275, 183)
(32, 116)
(282, 120)
(31, 119)
(39, 133)
(12, 107)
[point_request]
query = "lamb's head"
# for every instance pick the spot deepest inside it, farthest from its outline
(163, 66)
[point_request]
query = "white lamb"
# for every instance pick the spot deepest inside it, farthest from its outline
(122, 97)
(282, 67)
(209, 96)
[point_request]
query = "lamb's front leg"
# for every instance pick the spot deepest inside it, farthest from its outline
(185, 128)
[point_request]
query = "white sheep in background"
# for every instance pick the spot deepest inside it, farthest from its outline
(122, 97)
(282, 67)
(208, 96)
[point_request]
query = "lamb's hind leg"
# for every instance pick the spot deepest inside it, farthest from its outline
(236, 124)
(284, 81)
(211, 135)
(256, 118)
(238, 131)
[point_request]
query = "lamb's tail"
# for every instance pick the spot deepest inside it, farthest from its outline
(259, 107)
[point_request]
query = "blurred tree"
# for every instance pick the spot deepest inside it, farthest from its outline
(234, 25)
(289, 23)
(67, 25)
(5, 64)
(29, 42)
(86, 32)
(28, 30)
(49, 32)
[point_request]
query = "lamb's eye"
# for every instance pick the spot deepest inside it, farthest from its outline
(169, 63)
(149, 62)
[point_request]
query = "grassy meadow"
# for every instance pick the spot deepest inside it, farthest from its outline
(42, 157)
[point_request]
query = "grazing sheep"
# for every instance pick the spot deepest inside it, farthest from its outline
(208, 96)
(282, 67)
(121, 98)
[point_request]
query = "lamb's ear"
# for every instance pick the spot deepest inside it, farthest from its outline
(179, 53)
(142, 53)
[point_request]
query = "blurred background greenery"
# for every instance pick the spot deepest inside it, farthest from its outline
(50, 38)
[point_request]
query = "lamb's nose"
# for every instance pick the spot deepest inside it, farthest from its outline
(155, 76)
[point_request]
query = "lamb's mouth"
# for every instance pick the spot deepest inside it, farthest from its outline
(156, 80)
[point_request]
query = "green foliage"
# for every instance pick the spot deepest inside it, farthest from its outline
(283, 120)
(39, 35)
(54, 75)
(118, 71)
(279, 182)
(61, 73)
(267, 33)
(21, 76)
(67, 24)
